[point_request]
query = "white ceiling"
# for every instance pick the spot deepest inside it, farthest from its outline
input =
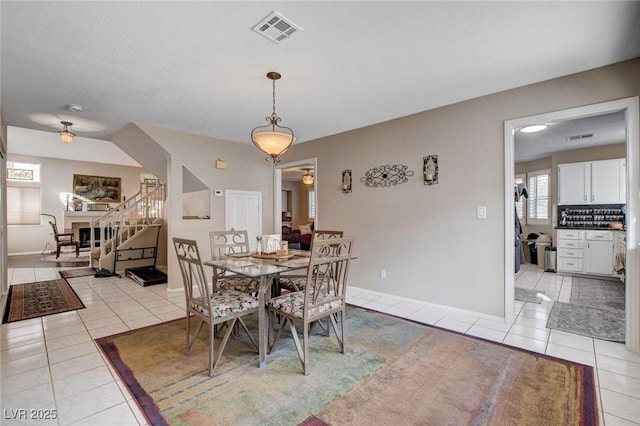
(606, 129)
(198, 66)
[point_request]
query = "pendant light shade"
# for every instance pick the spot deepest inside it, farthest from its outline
(307, 178)
(66, 135)
(273, 139)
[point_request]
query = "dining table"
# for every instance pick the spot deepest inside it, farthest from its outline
(264, 268)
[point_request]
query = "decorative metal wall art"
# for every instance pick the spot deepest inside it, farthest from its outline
(346, 181)
(386, 175)
(430, 169)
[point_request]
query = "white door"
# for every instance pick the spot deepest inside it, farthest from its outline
(243, 211)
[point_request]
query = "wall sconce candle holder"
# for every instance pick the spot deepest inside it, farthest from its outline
(346, 181)
(430, 169)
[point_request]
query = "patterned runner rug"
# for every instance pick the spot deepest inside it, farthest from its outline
(393, 372)
(38, 299)
(596, 309)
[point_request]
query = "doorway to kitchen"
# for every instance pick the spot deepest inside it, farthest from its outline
(630, 107)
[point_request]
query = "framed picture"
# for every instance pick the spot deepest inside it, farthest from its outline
(98, 188)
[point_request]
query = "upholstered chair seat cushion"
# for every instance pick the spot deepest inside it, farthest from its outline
(293, 304)
(226, 303)
(244, 284)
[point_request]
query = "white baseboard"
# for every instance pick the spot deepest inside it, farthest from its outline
(493, 318)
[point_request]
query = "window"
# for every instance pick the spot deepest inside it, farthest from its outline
(521, 203)
(23, 172)
(312, 204)
(23, 193)
(538, 202)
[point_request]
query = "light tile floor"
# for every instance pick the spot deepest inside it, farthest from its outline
(52, 363)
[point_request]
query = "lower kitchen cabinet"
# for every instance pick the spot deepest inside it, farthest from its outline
(587, 252)
(598, 257)
(570, 250)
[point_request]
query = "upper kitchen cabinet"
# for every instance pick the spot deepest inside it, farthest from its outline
(593, 182)
(608, 181)
(573, 185)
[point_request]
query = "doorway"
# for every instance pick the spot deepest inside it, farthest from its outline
(631, 108)
(288, 176)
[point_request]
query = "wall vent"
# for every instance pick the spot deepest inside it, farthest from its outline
(580, 137)
(276, 27)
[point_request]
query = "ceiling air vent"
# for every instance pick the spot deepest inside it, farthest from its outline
(276, 27)
(579, 137)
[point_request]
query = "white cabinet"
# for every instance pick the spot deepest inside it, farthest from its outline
(593, 182)
(598, 252)
(608, 181)
(587, 252)
(570, 250)
(573, 185)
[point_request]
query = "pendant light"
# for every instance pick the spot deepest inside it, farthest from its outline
(273, 139)
(307, 178)
(66, 135)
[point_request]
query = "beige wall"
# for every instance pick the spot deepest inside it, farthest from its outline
(427, 238)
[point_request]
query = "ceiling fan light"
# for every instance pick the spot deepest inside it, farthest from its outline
(66, 135)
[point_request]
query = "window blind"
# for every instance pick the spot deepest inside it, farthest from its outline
(539, 195)
(23, 205)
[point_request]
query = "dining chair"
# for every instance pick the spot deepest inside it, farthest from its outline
(226, 243)
(295, 282)
(217, 307)
(323, 297)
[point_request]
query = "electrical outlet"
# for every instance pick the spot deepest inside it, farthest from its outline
(383, 274)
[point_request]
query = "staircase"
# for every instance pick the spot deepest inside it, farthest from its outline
(128, 236)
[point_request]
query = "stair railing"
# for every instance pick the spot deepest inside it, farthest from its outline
(122, 222)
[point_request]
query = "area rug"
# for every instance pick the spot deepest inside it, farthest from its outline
(32, 300)
(76, 273)
(597, 293)
(528, 295)
(67, 259)
(596, 309)
(393, 372)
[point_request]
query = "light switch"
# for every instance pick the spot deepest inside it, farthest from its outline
(482, 212)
